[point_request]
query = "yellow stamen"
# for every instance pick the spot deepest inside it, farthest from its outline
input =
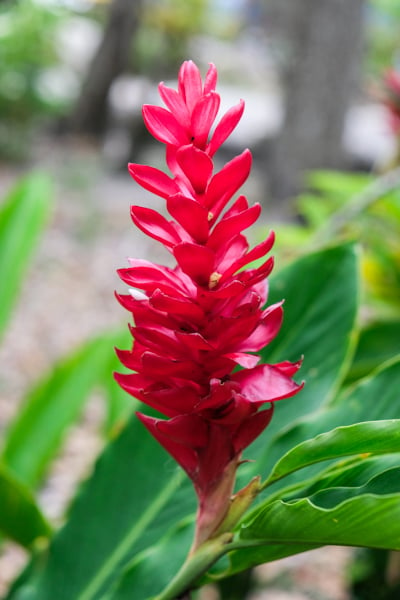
(214, 279)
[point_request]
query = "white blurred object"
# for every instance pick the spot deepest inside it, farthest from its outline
(367, 134)
(58, 84)
(78, 39)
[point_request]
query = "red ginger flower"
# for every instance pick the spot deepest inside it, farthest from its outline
(195, 323)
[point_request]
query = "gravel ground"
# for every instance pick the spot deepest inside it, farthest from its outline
(68, 296)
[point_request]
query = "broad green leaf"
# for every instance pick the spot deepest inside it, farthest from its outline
(374, 398)
(22, 219)
(163, 558)
(368, 516)
(20, 517)
(130, 502)
(53, 405)
(351, 473)
(134, 497)
(371, 437)
(321, 300)
(377, 343)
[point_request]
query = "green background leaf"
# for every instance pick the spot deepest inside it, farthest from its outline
(321, 300)
(20, 517)
(377, 344)
(22, 219)
(54, 404)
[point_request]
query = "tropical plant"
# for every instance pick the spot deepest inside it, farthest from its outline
(326, 469)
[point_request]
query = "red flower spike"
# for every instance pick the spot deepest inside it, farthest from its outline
(195, 322)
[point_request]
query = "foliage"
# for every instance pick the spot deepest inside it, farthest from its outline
(330, 460)
(35, 436)
(23, 215)
(383, 18)
(355, 206)
(169, 25)
(27, 48)
(107, 552)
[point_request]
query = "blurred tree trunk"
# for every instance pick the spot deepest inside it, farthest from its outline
(324, 46)
(90, 113)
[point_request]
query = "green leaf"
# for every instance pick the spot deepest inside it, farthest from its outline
(351, 473)
(377, 343)
(374, 398)
(22, 219)
(321, 300)
(134, 496)
(20, 517)
(373, 437)
(54, 404)
(163, 558)
(367, 516)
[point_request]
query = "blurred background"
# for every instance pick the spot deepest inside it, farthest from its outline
(322, 119)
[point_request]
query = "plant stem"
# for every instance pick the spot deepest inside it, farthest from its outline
(194, 566)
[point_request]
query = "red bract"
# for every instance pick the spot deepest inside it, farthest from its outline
(197, 322)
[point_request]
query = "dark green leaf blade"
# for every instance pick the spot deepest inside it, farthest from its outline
(164, 558)
(321, 300)
(129, 503)
(20, 518)
(53, 405)
(377, 344)
(372, 399)
(371, 437)
(321, 293)
(367, 516)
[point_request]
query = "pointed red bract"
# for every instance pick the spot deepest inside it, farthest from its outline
(197, 321)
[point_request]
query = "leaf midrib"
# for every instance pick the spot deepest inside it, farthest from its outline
(113, 559)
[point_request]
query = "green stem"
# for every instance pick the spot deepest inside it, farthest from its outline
(194, 566)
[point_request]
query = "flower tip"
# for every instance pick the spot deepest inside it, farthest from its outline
(247, 157)
(132, 168)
